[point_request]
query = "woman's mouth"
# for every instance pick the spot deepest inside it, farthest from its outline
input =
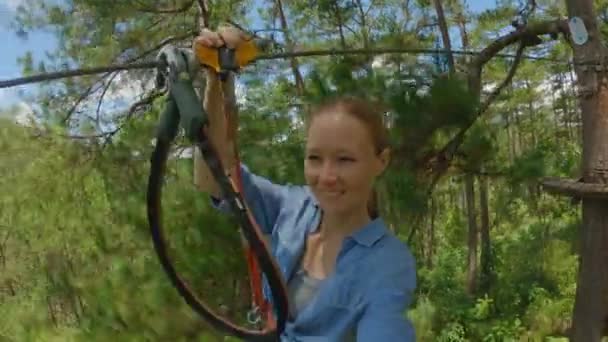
(333, 193)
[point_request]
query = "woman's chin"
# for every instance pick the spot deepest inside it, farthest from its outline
(333, 207)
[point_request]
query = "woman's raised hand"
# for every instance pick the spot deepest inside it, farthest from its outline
(231, 36)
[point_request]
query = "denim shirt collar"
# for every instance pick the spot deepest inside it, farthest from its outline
(367, 235)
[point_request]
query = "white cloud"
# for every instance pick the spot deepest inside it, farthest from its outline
(240, 92)
(19, 112)
(13, 106)
(380, 62)
(128, 90)
(116, 101)
(24, 114)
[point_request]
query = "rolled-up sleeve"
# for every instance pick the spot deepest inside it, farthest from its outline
(263, 197)
(384, 318)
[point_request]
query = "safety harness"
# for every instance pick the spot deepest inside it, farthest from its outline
(183, 107)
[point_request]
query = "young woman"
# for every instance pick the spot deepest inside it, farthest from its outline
(349, 277)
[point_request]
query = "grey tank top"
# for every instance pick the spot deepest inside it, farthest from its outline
(302, 289)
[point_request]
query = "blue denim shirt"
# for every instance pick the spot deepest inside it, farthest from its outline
(374, 277)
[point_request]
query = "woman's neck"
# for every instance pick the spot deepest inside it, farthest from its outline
(340, 226)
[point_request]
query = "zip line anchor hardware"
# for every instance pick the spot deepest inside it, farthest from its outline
(176, 70)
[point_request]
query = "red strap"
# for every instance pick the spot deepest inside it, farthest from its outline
(255, 275)
(256, 289)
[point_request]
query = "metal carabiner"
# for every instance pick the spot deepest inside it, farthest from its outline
(254, 316)
(175, 64)
(177, 69)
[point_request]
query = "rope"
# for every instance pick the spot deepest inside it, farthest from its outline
(149, 65)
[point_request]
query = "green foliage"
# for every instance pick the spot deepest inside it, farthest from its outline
(76, 259)
(453, 332)
(424, 119)
(480, 147)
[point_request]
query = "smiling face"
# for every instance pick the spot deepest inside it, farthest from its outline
(342, 161)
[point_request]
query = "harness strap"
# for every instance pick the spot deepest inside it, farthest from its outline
(261, 308)
(183, 107)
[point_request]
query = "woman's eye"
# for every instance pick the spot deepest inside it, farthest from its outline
(346, 159)
(312, 157)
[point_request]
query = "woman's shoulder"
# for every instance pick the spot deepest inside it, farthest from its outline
(390, 245)
(391, 259)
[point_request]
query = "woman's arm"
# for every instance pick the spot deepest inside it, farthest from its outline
(220, 104)
(219, 120)
(385, 318)
(263, 198)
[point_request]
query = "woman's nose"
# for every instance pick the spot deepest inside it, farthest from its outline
(328, 174)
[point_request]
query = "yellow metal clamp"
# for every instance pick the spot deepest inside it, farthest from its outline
(223, 60)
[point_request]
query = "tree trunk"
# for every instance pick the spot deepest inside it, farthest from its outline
(486, 247)
(591, 304)
(51, 311)
(340, 23)
(567, 94)
(510, 138)
(363, 24)
(472, 235)
(290, 48)
(518, 135)
(462, 199)
(453, 201)
(2, 252)
(532, 115)
(431, 235)
(204, 14)
(443, 26)
(461, 22)
(554, 105)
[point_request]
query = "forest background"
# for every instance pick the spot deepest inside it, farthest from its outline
(475, 136)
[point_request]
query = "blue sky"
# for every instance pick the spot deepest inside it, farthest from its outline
(40, 42)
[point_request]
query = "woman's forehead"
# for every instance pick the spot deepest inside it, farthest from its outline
(336, 123)
(337, 143)
(337, 126)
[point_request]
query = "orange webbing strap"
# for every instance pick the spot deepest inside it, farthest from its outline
(255, 273)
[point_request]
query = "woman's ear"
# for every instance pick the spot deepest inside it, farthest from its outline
(384, 158)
